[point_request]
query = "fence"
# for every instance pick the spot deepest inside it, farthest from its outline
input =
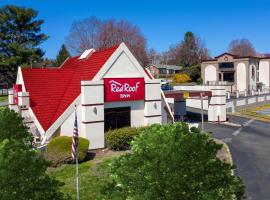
(3, 89)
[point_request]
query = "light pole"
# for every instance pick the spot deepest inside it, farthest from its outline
(202, 115)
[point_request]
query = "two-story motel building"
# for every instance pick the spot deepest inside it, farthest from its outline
(242, 74)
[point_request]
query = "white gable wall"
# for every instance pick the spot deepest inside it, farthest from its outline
(123, 67)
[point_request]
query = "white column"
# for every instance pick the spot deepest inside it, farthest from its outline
(152, 108)
(245, 93)
(237, 94)
(92, 99)
(228, 95)
(217, 105)
(11, 104)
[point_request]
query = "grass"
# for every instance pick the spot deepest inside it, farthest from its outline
(3, 98)
(92, 176)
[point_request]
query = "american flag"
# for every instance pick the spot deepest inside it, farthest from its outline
(75, 138)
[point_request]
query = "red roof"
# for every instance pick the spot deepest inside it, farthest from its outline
(53, 90)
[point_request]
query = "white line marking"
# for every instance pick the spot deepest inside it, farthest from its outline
(247, 123)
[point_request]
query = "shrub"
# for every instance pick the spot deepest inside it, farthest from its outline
(194, 130)
(181, 78)
(120, 139)
(58, 151)
(171, 162)
(12, 127)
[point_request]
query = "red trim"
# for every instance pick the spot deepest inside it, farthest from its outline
(97, 104)
(180, 94)
(218, 95)
(152, 100)
(93, 122)
(226, 53)
(93, 85)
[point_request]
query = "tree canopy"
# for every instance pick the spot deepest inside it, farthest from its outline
(172, 162)
(242, 47)
(190, 51)
(98, 34)
(20, 36)
(62, 55)
(13, 128)
(22, 168)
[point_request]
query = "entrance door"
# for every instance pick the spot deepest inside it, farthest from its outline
(116, 118)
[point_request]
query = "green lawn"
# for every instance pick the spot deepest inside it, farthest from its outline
(92, 176)
(3, 98)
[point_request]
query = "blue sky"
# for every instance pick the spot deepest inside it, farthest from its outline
(163, 23)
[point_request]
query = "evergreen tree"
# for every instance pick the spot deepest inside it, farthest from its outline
(63, 54)
(22, 168)
(19, 39)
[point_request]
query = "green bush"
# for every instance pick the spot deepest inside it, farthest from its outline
(58, 150)
(172, 162)
(120, 139)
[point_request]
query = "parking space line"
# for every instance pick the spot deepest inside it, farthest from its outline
(247, 123)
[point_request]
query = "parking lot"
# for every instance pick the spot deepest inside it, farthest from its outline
(250, 149)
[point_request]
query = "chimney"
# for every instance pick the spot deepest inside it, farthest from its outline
(87, 53)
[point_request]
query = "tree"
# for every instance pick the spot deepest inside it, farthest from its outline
(23, 174)
(173, 162)
(194, 72)
(19, 40)
(181, 78)
(94, 33)
(13, 128)
(188, 52)
(63, 54)
(242, 47)
(22, 168)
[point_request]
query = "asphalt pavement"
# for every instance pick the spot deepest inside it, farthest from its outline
(250, 149)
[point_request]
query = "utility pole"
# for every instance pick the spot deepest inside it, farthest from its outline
(202, 115)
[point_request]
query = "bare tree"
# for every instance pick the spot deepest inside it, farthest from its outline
(84, 34)
(94, 33)
(190, 51)
(242, 47)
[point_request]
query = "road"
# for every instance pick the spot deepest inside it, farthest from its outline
(3, 104)
(250, 148)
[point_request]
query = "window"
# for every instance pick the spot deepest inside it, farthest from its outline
(228, 77)
(226, 65)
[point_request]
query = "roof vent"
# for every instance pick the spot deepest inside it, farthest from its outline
(87, 53)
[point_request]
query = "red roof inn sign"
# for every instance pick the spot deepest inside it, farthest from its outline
(124, 89)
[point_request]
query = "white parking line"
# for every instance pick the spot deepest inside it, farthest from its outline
(235, 133)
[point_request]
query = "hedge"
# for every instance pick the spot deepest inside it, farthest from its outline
(120, 139)
(58, 151)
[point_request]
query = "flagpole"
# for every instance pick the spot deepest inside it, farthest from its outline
(77, 172)
(77, 166)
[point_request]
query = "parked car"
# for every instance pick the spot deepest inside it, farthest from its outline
(166, 87)
(164, 82)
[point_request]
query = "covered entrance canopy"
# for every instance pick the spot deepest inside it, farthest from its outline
(184, 94)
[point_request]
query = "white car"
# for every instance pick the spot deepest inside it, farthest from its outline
(164, 82)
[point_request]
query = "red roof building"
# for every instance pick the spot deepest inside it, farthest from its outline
(48, 96)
